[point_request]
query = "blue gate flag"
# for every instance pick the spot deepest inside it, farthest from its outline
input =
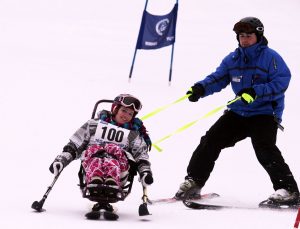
(157, 31)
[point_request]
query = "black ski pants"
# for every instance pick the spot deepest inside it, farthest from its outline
(228, 130)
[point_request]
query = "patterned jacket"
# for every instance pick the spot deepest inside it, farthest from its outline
(130, 137)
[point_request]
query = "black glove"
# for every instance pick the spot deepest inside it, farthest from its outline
(248, 95)
(56, 167)
(60, 162)
(196, 92)
(146, 178)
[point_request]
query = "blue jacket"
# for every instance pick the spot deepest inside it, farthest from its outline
(258, 67)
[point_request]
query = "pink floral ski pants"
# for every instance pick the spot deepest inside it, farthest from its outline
(104, 166)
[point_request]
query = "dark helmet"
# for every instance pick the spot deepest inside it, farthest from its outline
(249, 25)
(126, 100)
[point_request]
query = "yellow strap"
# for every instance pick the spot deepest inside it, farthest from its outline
(164, 107)
(192, 123)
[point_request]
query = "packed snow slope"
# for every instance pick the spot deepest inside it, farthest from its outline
(57, 58)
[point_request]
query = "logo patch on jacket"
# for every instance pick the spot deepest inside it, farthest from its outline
(236, 79)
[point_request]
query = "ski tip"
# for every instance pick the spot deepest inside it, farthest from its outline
(93, 215)
(110, 216)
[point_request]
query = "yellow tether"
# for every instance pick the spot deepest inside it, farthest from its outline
(164, 107)
(212, 112)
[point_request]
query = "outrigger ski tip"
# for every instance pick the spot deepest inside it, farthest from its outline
(143, 210)
(37, 206)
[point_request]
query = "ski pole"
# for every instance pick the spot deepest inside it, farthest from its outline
(38, 205)
(143, 209)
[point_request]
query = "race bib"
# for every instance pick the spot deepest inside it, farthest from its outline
(107, 132)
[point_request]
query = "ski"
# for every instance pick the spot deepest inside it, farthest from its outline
(266, 204)
(105, 210)
(208, 206)
(274, 205)
(174, 200)
(110, 215)
(95, 215)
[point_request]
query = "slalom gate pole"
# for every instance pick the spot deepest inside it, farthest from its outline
(135, 50)
(296, 225)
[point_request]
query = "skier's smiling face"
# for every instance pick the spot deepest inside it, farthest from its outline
(125, 114)
(247, 39)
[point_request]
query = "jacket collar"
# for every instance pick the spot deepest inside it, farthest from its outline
(254, 50)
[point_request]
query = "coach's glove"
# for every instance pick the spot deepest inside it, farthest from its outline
(195, 92)
(248, 95)
(146, 178)
(60, 162)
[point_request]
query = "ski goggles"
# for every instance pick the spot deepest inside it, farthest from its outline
(129, 101)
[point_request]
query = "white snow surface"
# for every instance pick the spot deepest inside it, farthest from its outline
(58, 57)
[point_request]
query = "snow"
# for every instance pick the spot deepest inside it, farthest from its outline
(58, 58)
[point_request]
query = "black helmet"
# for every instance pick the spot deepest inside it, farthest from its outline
(249, 25)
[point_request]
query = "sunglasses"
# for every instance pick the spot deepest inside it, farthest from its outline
(128, 101)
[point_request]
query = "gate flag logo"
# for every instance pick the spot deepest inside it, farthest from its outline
(157, 31)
